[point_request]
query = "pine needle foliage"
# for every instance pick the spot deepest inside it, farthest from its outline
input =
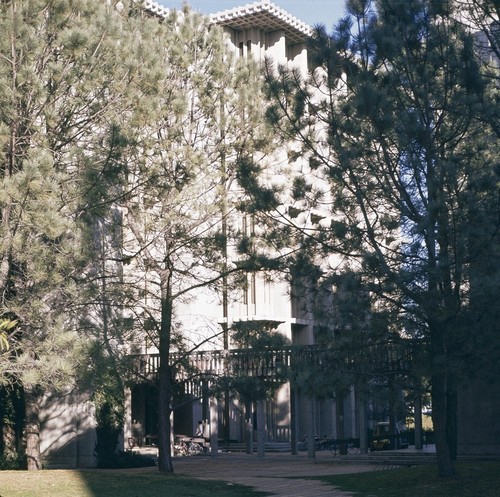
(396, 118)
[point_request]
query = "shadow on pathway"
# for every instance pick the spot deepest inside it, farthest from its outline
(270, 474)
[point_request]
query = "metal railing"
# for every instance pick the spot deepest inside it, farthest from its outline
(275, 363)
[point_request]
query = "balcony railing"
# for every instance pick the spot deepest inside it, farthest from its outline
(274, 363)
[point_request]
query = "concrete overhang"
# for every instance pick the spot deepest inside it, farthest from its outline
(156, 9)
(261, 15)
(266, 16)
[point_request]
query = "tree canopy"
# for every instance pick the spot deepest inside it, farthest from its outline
(69, 73)
(394, 118)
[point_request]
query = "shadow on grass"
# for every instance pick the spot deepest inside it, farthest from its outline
(481, 479)
(151, 483)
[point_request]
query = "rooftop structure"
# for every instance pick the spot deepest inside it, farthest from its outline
(263, 15)
(267, 17)
(156, 9)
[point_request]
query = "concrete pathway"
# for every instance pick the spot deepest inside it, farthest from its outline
(269, 474)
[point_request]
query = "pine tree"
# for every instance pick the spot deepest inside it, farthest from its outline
(69, 73)
(397, 129)
(178, 217)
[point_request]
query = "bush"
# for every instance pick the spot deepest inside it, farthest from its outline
(108, 430)
(129, 459)
(13, 462)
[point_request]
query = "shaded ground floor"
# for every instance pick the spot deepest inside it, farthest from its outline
(68, 435)
(288, 416)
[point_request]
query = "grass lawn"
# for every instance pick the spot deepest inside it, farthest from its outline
(480, 479)
(107, 483)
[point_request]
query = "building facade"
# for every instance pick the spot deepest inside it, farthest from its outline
(259, 30)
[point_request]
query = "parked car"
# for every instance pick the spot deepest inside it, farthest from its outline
(383, 439)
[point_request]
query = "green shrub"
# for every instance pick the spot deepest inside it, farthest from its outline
(129, 459)
(108, 431)
(13, 462)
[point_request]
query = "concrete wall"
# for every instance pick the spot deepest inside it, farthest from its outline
(478, 417)
(67, 435)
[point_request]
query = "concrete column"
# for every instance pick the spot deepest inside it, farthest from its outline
(214, 427)
(172, 434)
(300, 59)
(354, 412)
(294, 417)
(261, 428)
(277, 46)
(249, 436)
(363, 432)
(127, 428)
(311, 432)
(340, 420)
(249, 427)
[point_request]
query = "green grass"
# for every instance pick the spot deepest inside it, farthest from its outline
(473, 480)
(107, 483)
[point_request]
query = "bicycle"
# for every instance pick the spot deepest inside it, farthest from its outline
(194, 448)
(330, 444)
(319, 444)
(186, 446)
(181, 449)
(132, 442)
(353, 447)
(302, 444)
(339, 447)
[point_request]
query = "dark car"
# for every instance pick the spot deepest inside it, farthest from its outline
(382, 437)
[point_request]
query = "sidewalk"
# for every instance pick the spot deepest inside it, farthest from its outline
(270, 473)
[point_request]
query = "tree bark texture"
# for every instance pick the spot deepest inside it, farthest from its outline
(32, 399)
(164, 424)
(165, 379)
(440, 414)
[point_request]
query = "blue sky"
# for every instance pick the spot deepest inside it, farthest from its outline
(311, 12)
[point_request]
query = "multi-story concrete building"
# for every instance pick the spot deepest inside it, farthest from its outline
(259, 30)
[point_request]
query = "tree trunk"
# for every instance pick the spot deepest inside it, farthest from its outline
(164, 424)
(32, 399)
(165, 378)
(451, 418)
(443, 412)
(440, 413)
(418, 419)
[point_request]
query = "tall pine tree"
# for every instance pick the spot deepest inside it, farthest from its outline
(180, 212)
(393, 120)
(69, 73)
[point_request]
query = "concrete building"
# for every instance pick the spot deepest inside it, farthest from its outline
(260, 30)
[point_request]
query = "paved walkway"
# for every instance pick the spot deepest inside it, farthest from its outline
(270, 474)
